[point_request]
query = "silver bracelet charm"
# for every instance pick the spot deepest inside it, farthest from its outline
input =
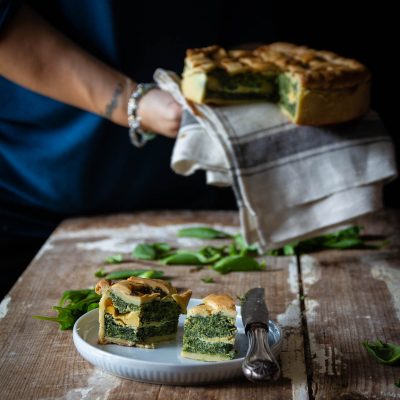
(138, 137)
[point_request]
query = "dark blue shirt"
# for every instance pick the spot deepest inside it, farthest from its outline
(58, 161)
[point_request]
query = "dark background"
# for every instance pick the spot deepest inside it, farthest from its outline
(368, 34)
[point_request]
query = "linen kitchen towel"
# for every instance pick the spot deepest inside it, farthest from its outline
(290, 181)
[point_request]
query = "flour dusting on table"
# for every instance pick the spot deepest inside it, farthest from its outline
(125, 239)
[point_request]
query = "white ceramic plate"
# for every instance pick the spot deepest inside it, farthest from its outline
(162, 365)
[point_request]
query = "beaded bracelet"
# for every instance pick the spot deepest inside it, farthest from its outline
(138, 137)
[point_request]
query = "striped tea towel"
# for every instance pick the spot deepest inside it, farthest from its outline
(290, 181)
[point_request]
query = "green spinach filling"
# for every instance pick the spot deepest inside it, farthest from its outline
(153, 311)
(193, 345)
(215, 94)
(286, 86)
(216, 325)
(241, 86)
(250, 86)
(114, 330)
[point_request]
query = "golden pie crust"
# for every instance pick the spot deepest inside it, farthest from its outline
(215, 304)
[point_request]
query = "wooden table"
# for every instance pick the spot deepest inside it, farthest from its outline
(327, 304)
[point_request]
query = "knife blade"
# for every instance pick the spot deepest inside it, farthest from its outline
(254, 309)
(260, 363)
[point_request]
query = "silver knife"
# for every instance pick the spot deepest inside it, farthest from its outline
(259, 364)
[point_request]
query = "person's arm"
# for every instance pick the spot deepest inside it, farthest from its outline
(40, 58)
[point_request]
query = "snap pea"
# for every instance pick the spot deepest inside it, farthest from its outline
(237, 263)
(184, 258)
(141, 273)
(203, 232)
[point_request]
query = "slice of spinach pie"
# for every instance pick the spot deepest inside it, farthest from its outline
(312, 87)
(210, 329)
(139, 312)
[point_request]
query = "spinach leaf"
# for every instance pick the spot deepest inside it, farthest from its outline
(144, 251)
(154, 251)
(385, 353)
(210, 254)
(237, 263)
(348, 238)
(162, 248)
(72, 305)
(203, 232)
(114, 259)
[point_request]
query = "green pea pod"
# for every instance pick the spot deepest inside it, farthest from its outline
(151, 274)
(237, 263)
(203, 232)
(143, 273)
(183, 259)
(213, 259)
(144, 251)
(205, 256)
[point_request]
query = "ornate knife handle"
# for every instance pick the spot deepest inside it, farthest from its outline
(260, 364)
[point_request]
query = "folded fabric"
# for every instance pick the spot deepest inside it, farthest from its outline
(290, 181)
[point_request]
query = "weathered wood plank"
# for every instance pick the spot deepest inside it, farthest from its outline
(352, 296)
(38, 361)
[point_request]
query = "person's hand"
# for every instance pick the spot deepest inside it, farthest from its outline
(160, 113)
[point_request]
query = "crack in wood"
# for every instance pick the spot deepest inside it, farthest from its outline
(304, 326)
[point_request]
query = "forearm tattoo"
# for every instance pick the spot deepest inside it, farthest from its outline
(112, 105)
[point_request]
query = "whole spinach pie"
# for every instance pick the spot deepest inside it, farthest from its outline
(139, 312)
(311, 87)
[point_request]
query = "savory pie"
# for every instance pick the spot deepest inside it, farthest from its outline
(210, 329)
(311, 87)
(139, 311)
